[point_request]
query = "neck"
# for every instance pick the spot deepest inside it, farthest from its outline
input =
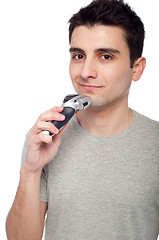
(109, 121)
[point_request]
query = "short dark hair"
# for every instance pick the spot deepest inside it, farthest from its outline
(113, 13)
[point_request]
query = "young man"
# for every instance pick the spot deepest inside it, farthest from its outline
(98, 177)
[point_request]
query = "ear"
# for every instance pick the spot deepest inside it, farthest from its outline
(138, 68)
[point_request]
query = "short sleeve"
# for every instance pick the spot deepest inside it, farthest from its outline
(43, 185)
(25, 148)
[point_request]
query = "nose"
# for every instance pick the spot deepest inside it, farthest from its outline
(88, 69)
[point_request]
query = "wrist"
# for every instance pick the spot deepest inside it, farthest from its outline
(30, 181)
(24, 171)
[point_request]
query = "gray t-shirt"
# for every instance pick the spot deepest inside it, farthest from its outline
(104, 188)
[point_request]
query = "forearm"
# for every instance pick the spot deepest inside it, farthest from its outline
(24, 219)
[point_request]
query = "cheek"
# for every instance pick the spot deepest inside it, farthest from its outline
(73, 75)
(70, 70)
(73, 71)
(118, 82)
(121, 76)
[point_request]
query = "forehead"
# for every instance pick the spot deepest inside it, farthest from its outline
(88, 37)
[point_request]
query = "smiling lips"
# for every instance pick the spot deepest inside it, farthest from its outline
(89, 87)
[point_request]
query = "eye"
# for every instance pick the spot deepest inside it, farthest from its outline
(77, 56)
(106, 57)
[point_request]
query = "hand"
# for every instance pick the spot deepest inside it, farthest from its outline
(43, 148)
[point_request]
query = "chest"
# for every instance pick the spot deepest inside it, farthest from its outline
(107, 175)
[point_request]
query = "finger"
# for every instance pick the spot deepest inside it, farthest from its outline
(45, 126)
(63, 129)
(58, 136)
(41, 138)
(49, 116)
(52, 114)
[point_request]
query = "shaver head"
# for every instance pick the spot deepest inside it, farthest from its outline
(78, 102)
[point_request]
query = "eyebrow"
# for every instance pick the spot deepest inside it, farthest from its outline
(108, 50)
(99, 50)
(74, 49)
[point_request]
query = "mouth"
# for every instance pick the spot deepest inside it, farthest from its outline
(90, 87)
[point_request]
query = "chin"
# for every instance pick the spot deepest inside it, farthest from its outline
(97, 103)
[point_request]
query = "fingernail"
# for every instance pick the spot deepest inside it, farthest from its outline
(56, 131)
(62, 117)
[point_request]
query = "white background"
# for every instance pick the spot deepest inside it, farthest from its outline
(34, 75)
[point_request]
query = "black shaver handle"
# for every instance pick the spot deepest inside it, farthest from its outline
(68, 112)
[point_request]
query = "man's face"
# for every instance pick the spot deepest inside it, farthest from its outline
(100, 64)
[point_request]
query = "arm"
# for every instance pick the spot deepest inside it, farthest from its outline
(24, 220)
(26, 217)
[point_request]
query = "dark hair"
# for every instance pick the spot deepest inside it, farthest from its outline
(113, 13)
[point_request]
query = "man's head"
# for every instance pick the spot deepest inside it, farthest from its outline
(106, 39)
(113, 13)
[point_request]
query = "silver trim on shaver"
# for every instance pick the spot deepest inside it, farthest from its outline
(79, 103)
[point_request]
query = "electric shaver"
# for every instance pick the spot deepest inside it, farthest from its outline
(71, 104)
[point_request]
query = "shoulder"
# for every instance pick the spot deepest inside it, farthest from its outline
(146, 124)
(146, 120)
